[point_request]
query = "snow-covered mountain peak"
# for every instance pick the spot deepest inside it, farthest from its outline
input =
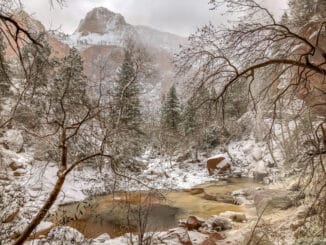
(101, 26)
(100, 21)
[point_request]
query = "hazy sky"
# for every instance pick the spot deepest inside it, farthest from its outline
(176, 16)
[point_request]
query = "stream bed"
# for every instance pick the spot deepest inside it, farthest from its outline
(123, 212)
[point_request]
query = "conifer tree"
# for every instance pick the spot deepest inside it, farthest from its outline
(190, 123)
(126, 101)
(126, 116)
(170, 118)
(68, 91)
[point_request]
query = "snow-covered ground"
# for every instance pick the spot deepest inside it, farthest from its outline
(33, 180)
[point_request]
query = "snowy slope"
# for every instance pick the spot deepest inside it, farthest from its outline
(104, 27)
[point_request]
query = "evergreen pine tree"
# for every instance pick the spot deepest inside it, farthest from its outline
(170, 118)
(68, 90)
(126, 116)
(127, 101)
(190, 123)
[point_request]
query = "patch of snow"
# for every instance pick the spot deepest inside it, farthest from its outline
(44, 225)
(14, 140)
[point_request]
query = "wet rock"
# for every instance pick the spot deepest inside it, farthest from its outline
(193, 223)
(196, 191)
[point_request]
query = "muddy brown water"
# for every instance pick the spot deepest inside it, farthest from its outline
(119, 213)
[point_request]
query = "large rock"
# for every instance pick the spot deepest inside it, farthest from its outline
(193, 223)
(13, 140)
(218, 223)
(101, 20)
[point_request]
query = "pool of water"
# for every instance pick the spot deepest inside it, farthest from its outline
(119, 213)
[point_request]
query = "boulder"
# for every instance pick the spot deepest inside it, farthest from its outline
(193, 223)
(13, 140)
(219, 223)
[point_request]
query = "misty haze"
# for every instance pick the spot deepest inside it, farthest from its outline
(175, 122)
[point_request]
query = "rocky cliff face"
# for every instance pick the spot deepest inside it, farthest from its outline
(101, 26)
(104, 27)
(101, 37)
(101, 21)
(103, 34)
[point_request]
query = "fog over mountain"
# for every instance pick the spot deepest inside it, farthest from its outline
(181, 17)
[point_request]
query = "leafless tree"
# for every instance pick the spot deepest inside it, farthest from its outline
(286, 62)
(222, 56)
